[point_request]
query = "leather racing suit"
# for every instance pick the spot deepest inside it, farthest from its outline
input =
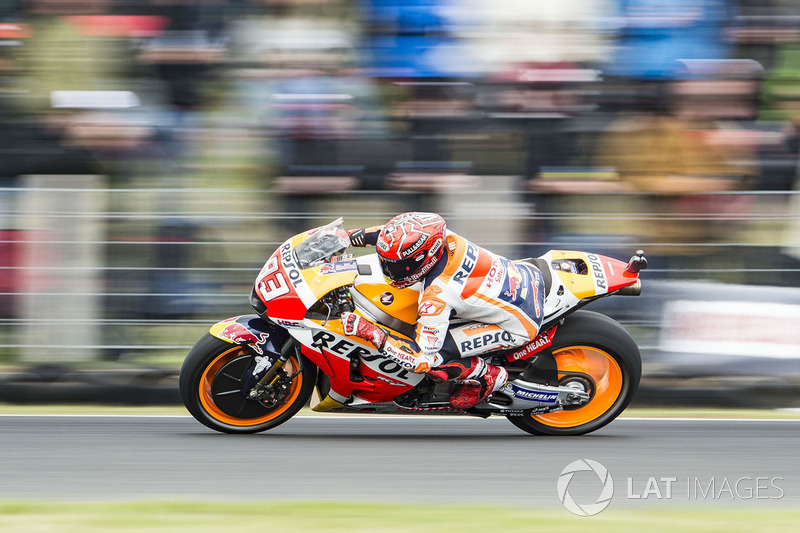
(501, 301)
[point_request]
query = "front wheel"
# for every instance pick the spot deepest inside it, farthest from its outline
(210, 383)
(597, 354)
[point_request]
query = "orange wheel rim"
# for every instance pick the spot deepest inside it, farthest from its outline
(607, 375)
(211, 407)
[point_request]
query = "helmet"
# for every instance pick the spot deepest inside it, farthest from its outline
(409, 246)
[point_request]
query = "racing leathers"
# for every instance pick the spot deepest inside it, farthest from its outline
(500, 306)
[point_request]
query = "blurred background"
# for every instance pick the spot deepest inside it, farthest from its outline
(153, 153)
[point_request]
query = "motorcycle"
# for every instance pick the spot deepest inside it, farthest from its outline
(254, 372)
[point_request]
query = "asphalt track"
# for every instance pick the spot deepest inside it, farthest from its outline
(401, 459)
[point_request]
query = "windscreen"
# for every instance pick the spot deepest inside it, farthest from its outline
(323, 244)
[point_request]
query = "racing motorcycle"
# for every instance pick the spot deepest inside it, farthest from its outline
(254, 372)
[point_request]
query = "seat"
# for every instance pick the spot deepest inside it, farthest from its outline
(544, 268)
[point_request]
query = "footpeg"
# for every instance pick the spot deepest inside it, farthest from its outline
(421, 393)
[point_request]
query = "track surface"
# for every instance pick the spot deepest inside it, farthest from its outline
(393, 459)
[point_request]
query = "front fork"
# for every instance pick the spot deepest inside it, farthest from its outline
(271, 347)
(266, 385)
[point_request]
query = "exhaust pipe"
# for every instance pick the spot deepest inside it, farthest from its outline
(634, 289)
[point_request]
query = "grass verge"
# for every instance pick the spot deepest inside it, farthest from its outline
(687, 412)
(196, 517)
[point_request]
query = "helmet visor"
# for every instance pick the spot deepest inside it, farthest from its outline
(401, 272)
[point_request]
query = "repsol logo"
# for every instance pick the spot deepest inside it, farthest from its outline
(288, 265)
(467, 265)
(329, 342)
(484, 341)
(597, 270)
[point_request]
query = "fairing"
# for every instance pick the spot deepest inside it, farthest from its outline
(599, 275)
(264, 337)
(287, 290)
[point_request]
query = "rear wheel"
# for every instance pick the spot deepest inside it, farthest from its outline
(210, 386)
(597, 355)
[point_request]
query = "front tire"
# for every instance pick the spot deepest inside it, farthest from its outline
(594, 349)
(210, 382)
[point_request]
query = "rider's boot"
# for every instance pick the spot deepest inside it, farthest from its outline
(475, 380)
(456, 369)
(474, 391)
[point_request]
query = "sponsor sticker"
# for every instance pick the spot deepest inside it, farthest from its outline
(486, 341)
(414, 247)
(541, 341)
(432, 307)
(432, 337)
(598, 272)
(516, 284)
(435, 247)
(467, 264)
(337, 267)
(402, 358)
(536, 396)
(286, 323)
(237, 333)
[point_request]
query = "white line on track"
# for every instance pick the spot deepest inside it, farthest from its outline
(86, 415)
(402, 417)
(700, 419)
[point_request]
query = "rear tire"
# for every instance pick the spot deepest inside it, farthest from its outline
(210, 388)
(597, 350)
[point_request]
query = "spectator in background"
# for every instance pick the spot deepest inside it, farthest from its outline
(781, 103)
(184, 58)
(679, 150)
(653, 34)
(186, 54)
(55, 56)
(79, 92)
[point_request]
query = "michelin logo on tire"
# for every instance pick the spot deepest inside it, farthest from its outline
(606, 493)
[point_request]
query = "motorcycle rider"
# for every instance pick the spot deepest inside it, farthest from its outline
(502, 300)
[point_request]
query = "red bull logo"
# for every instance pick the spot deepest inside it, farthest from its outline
(516, 283)
(338, 266)
(239, 334)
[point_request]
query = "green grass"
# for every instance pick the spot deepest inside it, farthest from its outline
(196, 517)
(68, 409)
(698, 412)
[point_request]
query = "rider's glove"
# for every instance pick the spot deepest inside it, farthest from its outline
(357, 237)
(362, 328)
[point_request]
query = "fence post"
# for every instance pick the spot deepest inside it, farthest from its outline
(61, 286)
